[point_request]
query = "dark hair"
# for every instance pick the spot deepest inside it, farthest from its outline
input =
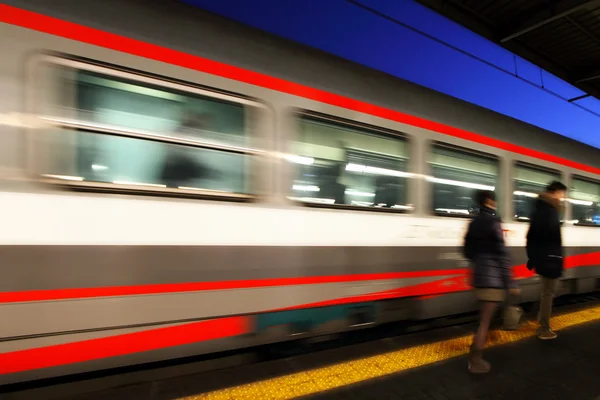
(556, 186)
(483, 196)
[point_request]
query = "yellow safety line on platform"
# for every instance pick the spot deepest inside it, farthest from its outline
(335, 376)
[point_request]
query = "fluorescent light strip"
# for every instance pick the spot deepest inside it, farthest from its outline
(306, 188)
(97, 167)
(139, 184)
(376, 171)
(299, 159)
(64, 177)
(526, 194)
(581, 202)
(460, 183)
(351, 192)
(453, 211)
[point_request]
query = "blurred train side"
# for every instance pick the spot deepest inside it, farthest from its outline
(127, 279)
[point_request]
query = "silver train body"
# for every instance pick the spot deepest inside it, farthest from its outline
(101, 269)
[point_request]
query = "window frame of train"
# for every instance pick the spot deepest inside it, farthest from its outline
(40, 156)
(298, 159)
(516, 192)
(432, 180)
(577, 202)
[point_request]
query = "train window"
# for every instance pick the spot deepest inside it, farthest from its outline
(124, 130)
(529, 181)
(347, 165)
(456, 175)
(584, 196)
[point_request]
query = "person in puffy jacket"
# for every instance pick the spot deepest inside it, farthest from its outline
(545, 250)
(491, 276)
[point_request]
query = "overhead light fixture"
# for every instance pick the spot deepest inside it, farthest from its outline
(97, 167)
(581, 202)
(306, 188)
(451, 182)
(299, 159)
(352, 192)
(365, 169)
(526, 194)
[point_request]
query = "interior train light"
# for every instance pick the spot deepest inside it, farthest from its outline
(526, 194)
(64, 177)
(453, 211)
(299, 159)
(581, 202)
(351, 192)
(356, 167)
(97, 167)
(306, 188)
(376, 171)
(451, 182)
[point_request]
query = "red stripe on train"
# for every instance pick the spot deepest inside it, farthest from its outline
(158, 338)
(113, 291)
(520, 272)
(460, 283)
(119, 345)
(70, 30)
(427, 290)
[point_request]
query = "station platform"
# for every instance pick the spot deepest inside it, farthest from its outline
(428, 365)
(433, 366)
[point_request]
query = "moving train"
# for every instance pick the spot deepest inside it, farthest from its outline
(205, 186)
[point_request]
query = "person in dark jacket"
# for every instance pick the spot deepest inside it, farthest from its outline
(492, 277)
(544, 250)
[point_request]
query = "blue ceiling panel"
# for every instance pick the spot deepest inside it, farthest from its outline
(409, 41)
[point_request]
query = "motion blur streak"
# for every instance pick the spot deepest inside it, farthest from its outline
(112, 346)
(431, 288)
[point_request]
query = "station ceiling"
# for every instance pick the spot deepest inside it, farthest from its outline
(561, 36)
(456, 47)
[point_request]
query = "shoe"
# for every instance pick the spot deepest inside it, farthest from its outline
(547, 335)
(477, 365)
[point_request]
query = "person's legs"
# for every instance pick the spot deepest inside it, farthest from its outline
(477, 364)
(548, 291)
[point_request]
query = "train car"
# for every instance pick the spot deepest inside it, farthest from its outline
(176, 184)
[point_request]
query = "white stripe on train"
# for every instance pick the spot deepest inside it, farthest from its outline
(81, 219)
